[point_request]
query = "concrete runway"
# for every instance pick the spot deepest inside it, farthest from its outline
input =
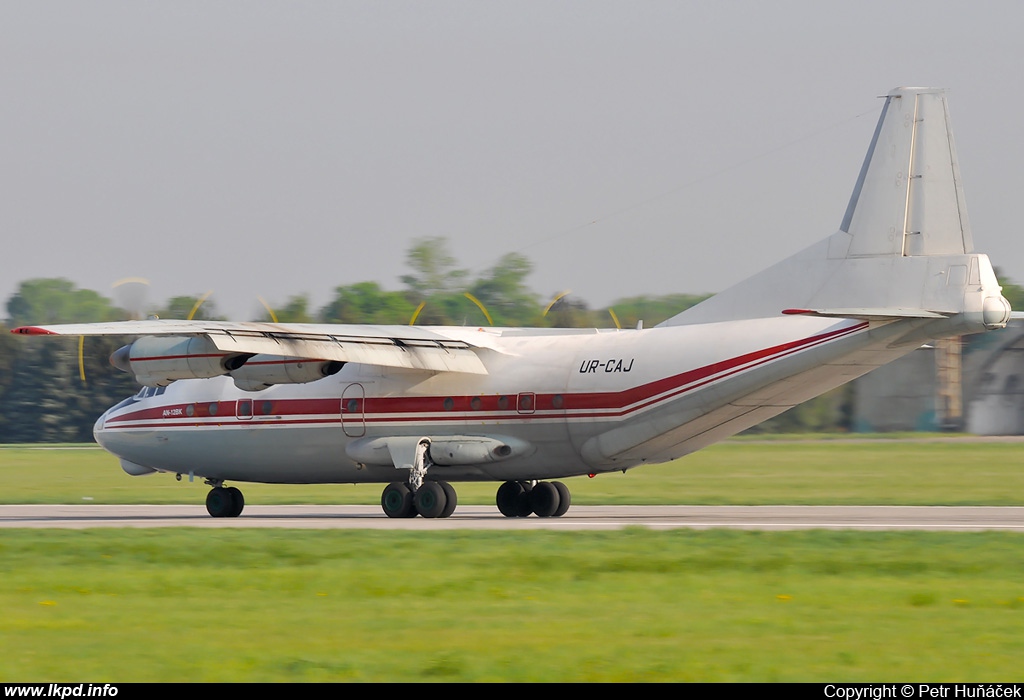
(966, 518)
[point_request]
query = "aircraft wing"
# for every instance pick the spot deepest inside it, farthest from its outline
(389, 346)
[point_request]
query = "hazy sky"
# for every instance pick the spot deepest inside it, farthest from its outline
(258, 148)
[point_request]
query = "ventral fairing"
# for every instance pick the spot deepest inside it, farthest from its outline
(419, 408)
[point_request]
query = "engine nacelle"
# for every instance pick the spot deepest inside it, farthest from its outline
(160, 360)
(262, 371)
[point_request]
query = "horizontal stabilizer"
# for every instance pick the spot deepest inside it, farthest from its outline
(866, 314)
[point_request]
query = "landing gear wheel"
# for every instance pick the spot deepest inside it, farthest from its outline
(544, 499)
(564, 498)
(219, 502)
(451, 499)
(396, 500)
(237, 502)
(513, 500)
(430, 500)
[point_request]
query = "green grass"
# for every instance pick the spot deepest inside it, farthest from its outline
(230, 605)
(741, 472)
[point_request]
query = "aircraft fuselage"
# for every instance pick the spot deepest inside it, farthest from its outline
(570, 402)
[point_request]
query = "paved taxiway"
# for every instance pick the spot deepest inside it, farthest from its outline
(966, 518)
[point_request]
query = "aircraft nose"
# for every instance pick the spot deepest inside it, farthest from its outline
(97, 427)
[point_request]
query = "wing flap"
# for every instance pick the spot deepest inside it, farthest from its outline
(434, 356)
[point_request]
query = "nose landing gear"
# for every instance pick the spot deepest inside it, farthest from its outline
(224, 502)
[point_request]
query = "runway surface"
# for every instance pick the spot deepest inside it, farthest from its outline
(966, 518)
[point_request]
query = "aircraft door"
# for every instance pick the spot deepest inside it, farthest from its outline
(353, 420)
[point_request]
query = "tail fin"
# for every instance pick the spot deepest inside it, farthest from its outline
(904, 243)
(908, 199)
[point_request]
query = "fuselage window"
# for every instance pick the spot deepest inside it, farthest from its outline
(476, 403)
(502, 403)
(213, 408)
(190, 410)
(267, 407)
(449, 403)
(557, 401)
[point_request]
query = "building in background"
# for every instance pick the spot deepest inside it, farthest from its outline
(976, 386)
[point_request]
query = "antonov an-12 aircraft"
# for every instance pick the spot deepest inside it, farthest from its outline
(417, 408)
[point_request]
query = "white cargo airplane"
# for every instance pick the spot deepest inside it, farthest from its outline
(417, 408)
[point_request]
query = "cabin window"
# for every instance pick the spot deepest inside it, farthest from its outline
(476, 403)
(449, 403)
(502, 403)
(190, 410)
(557, 401)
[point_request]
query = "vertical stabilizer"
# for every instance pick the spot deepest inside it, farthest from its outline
(903, 244)
(908, 199)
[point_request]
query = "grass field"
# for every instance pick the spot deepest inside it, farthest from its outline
(637, 605)
(961, 472)
(230, 605)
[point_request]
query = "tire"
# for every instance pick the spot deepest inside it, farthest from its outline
(451, 499)
(564, 499)
(513, 500)
(430, 500)
(237, 502)
(396, 501)
(506, 498)
(544, 499)
(219, 503)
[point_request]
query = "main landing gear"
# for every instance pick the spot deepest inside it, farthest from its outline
(224, 502)
(548, 499)
(433, 499)
(437, 499)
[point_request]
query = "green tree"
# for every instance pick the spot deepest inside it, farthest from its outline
(366, 302)
(434, 271)
(295, 310)
(179, 308)
(653, 310)
(51, 300)
(1014, 293)
(570, 312)
(503, 291)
